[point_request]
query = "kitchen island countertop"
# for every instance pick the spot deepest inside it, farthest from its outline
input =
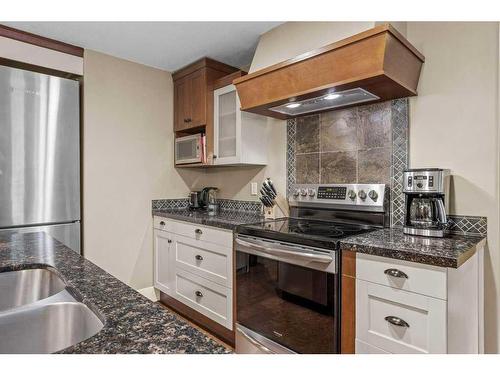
(132, 323)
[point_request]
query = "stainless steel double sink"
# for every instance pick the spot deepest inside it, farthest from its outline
(38, 314)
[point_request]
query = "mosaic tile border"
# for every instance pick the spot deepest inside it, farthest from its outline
(225, 204)
(471, 225)
(291, 136)
(238, 205)
(168, 204)
(399, 122)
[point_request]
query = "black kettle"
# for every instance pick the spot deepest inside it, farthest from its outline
(203, 196)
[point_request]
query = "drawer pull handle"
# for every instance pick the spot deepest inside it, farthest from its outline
(198, 231)
(396, 273)
(198, 257)
(198, 293)
(162, 223)
(394, 320)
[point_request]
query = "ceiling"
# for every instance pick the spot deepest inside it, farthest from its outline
(164, 45)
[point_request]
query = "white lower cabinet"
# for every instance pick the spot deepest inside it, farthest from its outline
(364, 348)
(193, 264)
(404, 307)
(398, 321)
(211, 299)
(163, 261)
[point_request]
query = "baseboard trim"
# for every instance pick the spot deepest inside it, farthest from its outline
(151, 293)
(208, 324)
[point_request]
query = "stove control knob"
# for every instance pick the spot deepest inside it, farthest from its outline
(362, 194)
(296, 192)
(303, 192)
(351, 194)
(373, 195)
(311, 192)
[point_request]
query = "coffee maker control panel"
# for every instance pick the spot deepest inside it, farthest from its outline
(431, 180)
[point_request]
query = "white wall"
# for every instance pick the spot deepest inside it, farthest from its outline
(127, 162)
(234, 182)
(454, 124)
(294, 38)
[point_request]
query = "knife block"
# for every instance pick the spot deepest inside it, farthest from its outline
(278, 210)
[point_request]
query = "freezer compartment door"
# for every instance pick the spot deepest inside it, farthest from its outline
(68, 234)
(39, 148)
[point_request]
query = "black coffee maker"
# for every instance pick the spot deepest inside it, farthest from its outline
(426, 194)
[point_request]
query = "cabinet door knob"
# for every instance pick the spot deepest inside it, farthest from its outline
(198, 293)
(169, 241)
(396, 273)
(394, 320)
(162, 223)
(198, 231)
(198, 257)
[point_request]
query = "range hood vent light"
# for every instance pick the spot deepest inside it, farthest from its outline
(325, 102)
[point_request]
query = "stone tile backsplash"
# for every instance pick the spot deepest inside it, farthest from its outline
(346, 146)
(367, 144)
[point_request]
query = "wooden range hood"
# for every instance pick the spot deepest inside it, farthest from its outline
(380, 61)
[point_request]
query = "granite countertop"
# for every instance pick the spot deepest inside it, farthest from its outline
(451, 251)
(225, 219)
(132, 323)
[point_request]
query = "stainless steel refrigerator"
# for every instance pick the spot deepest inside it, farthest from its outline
(40, 154)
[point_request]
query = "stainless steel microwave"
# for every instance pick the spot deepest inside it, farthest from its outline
(189, 149)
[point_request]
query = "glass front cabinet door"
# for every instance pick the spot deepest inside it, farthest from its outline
(238, 136)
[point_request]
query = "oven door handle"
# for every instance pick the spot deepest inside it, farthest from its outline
(254, 341)
(307, 255)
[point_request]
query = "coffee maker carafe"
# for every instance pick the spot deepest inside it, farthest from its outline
(426, 195)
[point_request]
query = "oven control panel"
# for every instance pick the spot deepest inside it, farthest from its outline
(343, 196)
(332, 192)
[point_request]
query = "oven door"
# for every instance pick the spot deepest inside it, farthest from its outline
(188, 149)
(287, 298)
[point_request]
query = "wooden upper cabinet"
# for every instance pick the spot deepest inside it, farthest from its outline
(198, 93)
(182, 102)
(192, 89)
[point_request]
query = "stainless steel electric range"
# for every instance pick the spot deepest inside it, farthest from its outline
(287, 270)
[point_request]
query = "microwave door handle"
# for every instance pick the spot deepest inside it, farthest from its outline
(311, 256)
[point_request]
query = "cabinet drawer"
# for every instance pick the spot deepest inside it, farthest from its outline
(206, 297)
(211, 261)
(162, 223)
(425, 317)
(364, 348)
(413, 277)
(198, 232)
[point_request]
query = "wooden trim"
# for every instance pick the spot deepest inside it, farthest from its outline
(348, 304)
(206, 323)
(204, 62)
(349, 263)
(332, 46)
(39, 69)
(41, 41)
(227, 80)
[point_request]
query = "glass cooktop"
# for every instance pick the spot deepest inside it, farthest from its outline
(304, 231)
